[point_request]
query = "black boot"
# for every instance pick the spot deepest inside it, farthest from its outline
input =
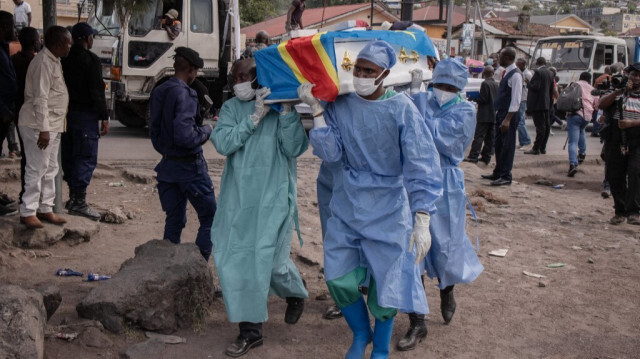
(416, 333)
(81, 208)
(447, 304)
(72, 200)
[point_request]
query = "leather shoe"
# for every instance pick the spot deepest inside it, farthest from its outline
(472, 160)
(416, 333)
(333, 312)
(532, 151)
(52, 218)
(242, 345)
(490, 177)
(485, 160)
(543, 152)
(295, 307)
(32, 222)
(501, 182)
(447, 304)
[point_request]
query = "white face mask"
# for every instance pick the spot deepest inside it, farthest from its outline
(244, 91)
(443, 97)
(366, 86)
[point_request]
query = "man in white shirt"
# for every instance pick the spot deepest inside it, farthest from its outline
(41, 121)
(507, 106)
(21, 14)
(523, 135)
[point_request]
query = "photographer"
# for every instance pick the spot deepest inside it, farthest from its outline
(622, 146)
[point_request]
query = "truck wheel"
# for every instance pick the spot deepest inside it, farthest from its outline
(128, 116)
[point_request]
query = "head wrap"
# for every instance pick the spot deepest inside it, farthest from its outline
(380, 53)
(452, 72)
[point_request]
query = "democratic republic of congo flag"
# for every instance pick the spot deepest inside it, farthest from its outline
(285, 66)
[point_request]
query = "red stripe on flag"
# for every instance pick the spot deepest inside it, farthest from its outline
(308, 61)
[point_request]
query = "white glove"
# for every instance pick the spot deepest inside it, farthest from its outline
(286, 108)
(261, 108)
(305, 95)
(421, 236)
(416, 81)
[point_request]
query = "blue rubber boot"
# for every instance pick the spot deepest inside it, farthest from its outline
(357, 316)
(382, 339)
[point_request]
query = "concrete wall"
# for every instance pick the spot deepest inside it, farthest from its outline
(67, 13)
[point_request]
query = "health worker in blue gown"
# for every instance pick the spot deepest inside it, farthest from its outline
(451, 120)
(379, 227)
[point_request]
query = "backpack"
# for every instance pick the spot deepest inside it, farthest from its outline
(570, 99)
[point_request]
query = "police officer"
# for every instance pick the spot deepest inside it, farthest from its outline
(182, 172)
(87, 119)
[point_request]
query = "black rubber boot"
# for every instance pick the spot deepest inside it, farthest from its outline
(81, 208)
(416, 333)
(72, 199)
(447, 304)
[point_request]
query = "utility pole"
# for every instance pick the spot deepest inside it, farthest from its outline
(406, 10)
(49, 14)
(449, 26)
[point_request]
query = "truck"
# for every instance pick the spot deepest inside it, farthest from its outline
(137, 54)
(572, 55)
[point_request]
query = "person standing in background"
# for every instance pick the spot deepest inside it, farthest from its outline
(294, 15)
(523, 135)
(21, 14)
(485, 119)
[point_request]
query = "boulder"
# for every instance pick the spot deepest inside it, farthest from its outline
(50, 296)
(75, 231)
(115, 216)
(93, 337)
(22, 323)
(152, 348)
(164, 287)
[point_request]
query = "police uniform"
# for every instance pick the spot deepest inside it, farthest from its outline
(182, 172)
(87, 106)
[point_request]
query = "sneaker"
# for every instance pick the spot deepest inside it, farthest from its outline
(7, 211)
(617, 219)
(573, 169)
(526, 147)
(581, 158)
(6, 200)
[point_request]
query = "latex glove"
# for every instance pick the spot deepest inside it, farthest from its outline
(421, 236)
(261, 109)
(286, 108)
(416, 81)
(305, 95)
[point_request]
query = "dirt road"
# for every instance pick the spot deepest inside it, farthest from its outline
(587, 308)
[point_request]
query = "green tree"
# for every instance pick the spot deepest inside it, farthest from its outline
(604, 24)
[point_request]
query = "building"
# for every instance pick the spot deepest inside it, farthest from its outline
(317, 18)
(594, 16)
(566, 23)
(431, 13)
(621, 22)
(67, 11)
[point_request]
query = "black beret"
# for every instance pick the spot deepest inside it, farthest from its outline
(192, 56)
(634, 67)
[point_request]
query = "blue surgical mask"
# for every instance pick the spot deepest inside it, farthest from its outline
(490, 62)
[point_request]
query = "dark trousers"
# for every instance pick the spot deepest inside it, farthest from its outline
(505, 148)
(23, 164)
(623, 174)
(79, 149)
(173, 198)
(483, 135)
(543, 129)
(250, 330)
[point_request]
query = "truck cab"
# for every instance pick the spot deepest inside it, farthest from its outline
(137, 53)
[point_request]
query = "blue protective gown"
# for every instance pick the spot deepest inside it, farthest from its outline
(382, 144)
(451, 257)
(257, 209)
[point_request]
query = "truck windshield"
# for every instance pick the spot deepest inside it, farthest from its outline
(105, 18)
(570, 54)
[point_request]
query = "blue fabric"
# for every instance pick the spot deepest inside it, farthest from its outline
(174, 132)
(328, 176)
(451, 258)
(523, 135)
(173, 198)
(452, 72)
(79, 148)
(380, 53)
(383, 144)
(577, 140)
(252, 232)
(357, 318)
(8, 86)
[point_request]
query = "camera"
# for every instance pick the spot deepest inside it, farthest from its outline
(619, 81)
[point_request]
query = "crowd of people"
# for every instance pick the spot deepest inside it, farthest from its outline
(391, 193)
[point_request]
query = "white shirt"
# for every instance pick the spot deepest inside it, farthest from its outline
(20, 13)
(497, 74)
(527, 77)
(515, 82)
(45, 95)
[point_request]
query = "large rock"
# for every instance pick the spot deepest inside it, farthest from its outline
(22, 323)
(75, 231)
(164, 287)
(152, 348)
